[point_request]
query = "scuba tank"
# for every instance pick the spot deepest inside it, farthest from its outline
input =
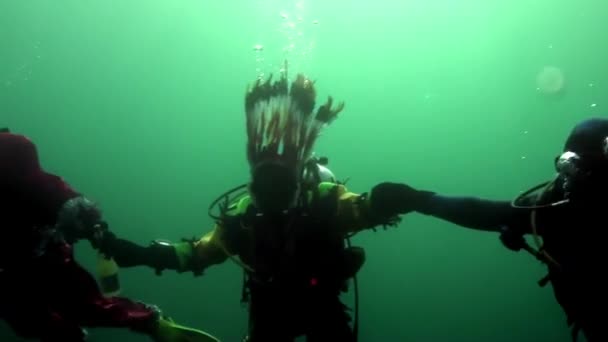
(107, 275)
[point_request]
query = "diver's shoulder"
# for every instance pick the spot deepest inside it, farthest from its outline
(239, 206)
(329, 188)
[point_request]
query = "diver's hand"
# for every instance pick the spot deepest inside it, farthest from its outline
(80, 218)
(511, 239)
(390, 199)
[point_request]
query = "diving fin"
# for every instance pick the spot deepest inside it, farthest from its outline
(169, 331)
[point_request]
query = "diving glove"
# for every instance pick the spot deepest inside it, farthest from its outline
(512, 239)
(390, 199)
(168, 331)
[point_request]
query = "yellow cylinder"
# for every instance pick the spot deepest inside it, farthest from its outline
(107, 275)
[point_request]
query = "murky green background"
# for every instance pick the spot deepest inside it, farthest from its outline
(139, 104)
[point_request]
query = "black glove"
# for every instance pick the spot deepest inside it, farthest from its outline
(512, 239)
(390, 199)
(104, 241)
(159, 255)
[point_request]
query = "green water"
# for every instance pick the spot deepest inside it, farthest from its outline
(140, 105)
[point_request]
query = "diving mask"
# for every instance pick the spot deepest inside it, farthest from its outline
(572, 168)
(569, 169)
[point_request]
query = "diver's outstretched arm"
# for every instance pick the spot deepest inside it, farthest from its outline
(475, 213)
(129, 254)
(195, 255)
(157, 255)
(470, 212)
(87, 307)
(387, 201)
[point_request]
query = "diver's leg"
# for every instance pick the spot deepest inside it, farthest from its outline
(59, 329)
(334, 330)
(44, 326)
(330, 322)
(585, 303)
(593, 329)
(80, 300)
(268, 319)
(32, 320)
(24, 306)
(263, 330)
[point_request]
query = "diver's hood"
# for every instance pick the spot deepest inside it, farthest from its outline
(18, 155)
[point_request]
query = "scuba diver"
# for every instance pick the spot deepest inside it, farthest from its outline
(566, 217)
(44, 293)
(289, 227)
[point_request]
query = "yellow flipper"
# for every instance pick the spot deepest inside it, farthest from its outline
(168, 331)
